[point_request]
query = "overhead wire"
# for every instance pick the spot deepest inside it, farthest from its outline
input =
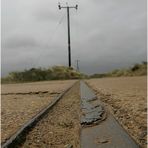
(75, 37)
(37, 60)
(57, 26)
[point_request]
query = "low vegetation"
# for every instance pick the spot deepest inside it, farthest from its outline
(66, 73)
(136, 70)
(40, 74)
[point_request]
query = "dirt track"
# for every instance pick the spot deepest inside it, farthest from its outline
(127, 99)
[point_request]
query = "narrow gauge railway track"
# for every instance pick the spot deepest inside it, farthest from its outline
(19, 137)
(66, 125)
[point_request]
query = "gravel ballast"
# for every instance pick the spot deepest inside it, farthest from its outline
(21, 102)
(61, 127)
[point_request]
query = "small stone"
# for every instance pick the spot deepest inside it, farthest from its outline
(38, 141)
(102, 140)
(68, 146)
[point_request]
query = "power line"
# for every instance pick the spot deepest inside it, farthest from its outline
(59, 22)
(57, 26)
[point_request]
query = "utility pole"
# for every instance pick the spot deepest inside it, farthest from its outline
(68, 26)
(77, 61)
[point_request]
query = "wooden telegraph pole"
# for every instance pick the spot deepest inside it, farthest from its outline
(68, 26)
(77, 61)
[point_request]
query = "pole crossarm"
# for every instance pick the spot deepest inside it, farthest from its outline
(60, 7)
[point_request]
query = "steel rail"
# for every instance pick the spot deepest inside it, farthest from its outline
(19, 137)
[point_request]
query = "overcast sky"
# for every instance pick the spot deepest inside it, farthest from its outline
(105, 34)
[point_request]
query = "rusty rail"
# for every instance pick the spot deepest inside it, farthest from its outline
(19, 137)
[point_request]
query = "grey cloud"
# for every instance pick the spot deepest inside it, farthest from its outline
(104, 34)
(19, 42)
(45, 15)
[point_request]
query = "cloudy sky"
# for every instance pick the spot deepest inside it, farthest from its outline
(105, 34)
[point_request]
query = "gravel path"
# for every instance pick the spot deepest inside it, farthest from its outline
(61, 127)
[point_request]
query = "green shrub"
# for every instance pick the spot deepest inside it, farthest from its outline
(39, 74)
(136, 70)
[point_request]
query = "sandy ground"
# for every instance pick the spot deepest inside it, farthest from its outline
(20, 102)
(127, 99)
(61, 127)
(50, 86)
